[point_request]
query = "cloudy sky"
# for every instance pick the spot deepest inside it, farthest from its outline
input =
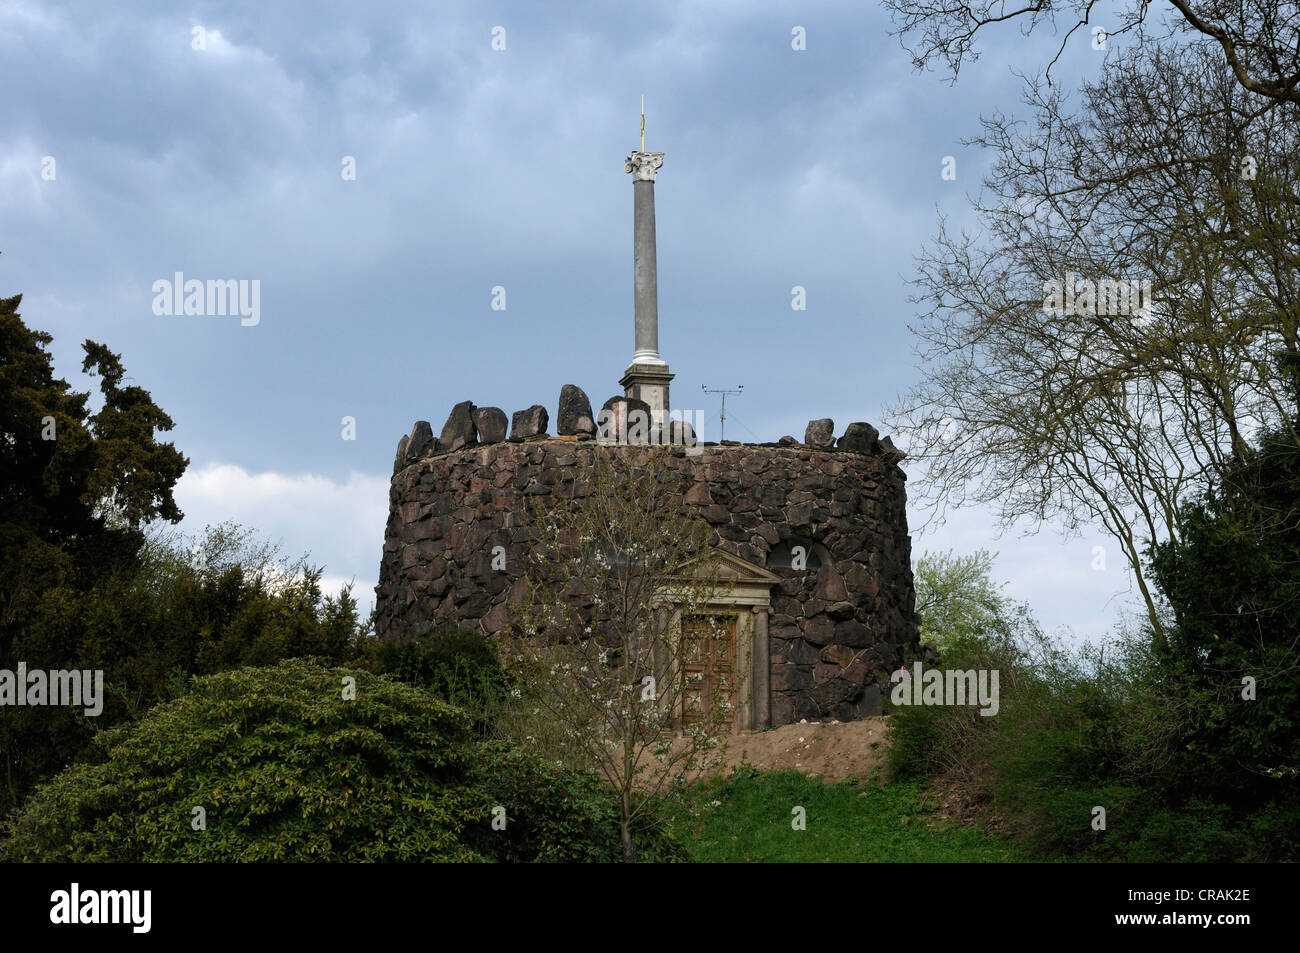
(142, 140)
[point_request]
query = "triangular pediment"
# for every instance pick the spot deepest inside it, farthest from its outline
(727, 567)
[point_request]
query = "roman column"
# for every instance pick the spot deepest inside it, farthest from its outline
(647, 376)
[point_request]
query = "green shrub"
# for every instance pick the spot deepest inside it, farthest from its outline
(178, 607)
(1080, 730)
(1199, 832)
(287, 769)
(284, 768)
(553, 814)
(456, 665)
(1232, 579)
(915, 748)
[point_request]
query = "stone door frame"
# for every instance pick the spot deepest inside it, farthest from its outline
(744, 592)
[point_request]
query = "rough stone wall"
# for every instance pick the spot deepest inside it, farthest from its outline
(836, 632)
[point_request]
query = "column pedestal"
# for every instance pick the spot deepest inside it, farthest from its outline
(648, 382)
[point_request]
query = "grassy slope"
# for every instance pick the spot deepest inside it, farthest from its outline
(845, 823)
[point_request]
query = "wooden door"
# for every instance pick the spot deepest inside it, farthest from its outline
(709, 668)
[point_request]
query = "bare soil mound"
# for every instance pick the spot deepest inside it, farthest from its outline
(833, 749)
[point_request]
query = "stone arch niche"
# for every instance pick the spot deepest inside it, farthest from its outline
(832, 632)
(798, 553)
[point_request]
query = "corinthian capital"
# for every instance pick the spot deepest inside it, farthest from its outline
(642, 165)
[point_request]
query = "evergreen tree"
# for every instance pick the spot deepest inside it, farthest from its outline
(75, 488)
(1233, 582)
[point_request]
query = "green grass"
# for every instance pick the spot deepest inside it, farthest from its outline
(748, 818)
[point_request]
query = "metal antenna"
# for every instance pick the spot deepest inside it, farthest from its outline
(722, 417)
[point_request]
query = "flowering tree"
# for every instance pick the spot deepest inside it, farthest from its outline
(613, 642)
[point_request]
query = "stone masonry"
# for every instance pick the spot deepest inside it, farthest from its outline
(837, 628)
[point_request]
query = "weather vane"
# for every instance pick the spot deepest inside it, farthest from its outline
(643, 122)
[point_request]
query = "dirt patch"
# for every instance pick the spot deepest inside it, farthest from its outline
(833, 749)
(960, 800)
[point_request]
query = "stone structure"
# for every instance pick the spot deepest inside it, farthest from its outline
(811, 551)
(574, 415)
(820, 434)
(529, 423)
(824, 530)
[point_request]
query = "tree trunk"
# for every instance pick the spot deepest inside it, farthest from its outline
(629, 847)
(625, 829)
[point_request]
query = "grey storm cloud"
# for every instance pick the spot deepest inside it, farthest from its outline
(475, 168)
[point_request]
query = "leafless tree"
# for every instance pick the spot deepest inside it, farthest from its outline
(1258, 40)
(608, 638)
(1167, 173)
